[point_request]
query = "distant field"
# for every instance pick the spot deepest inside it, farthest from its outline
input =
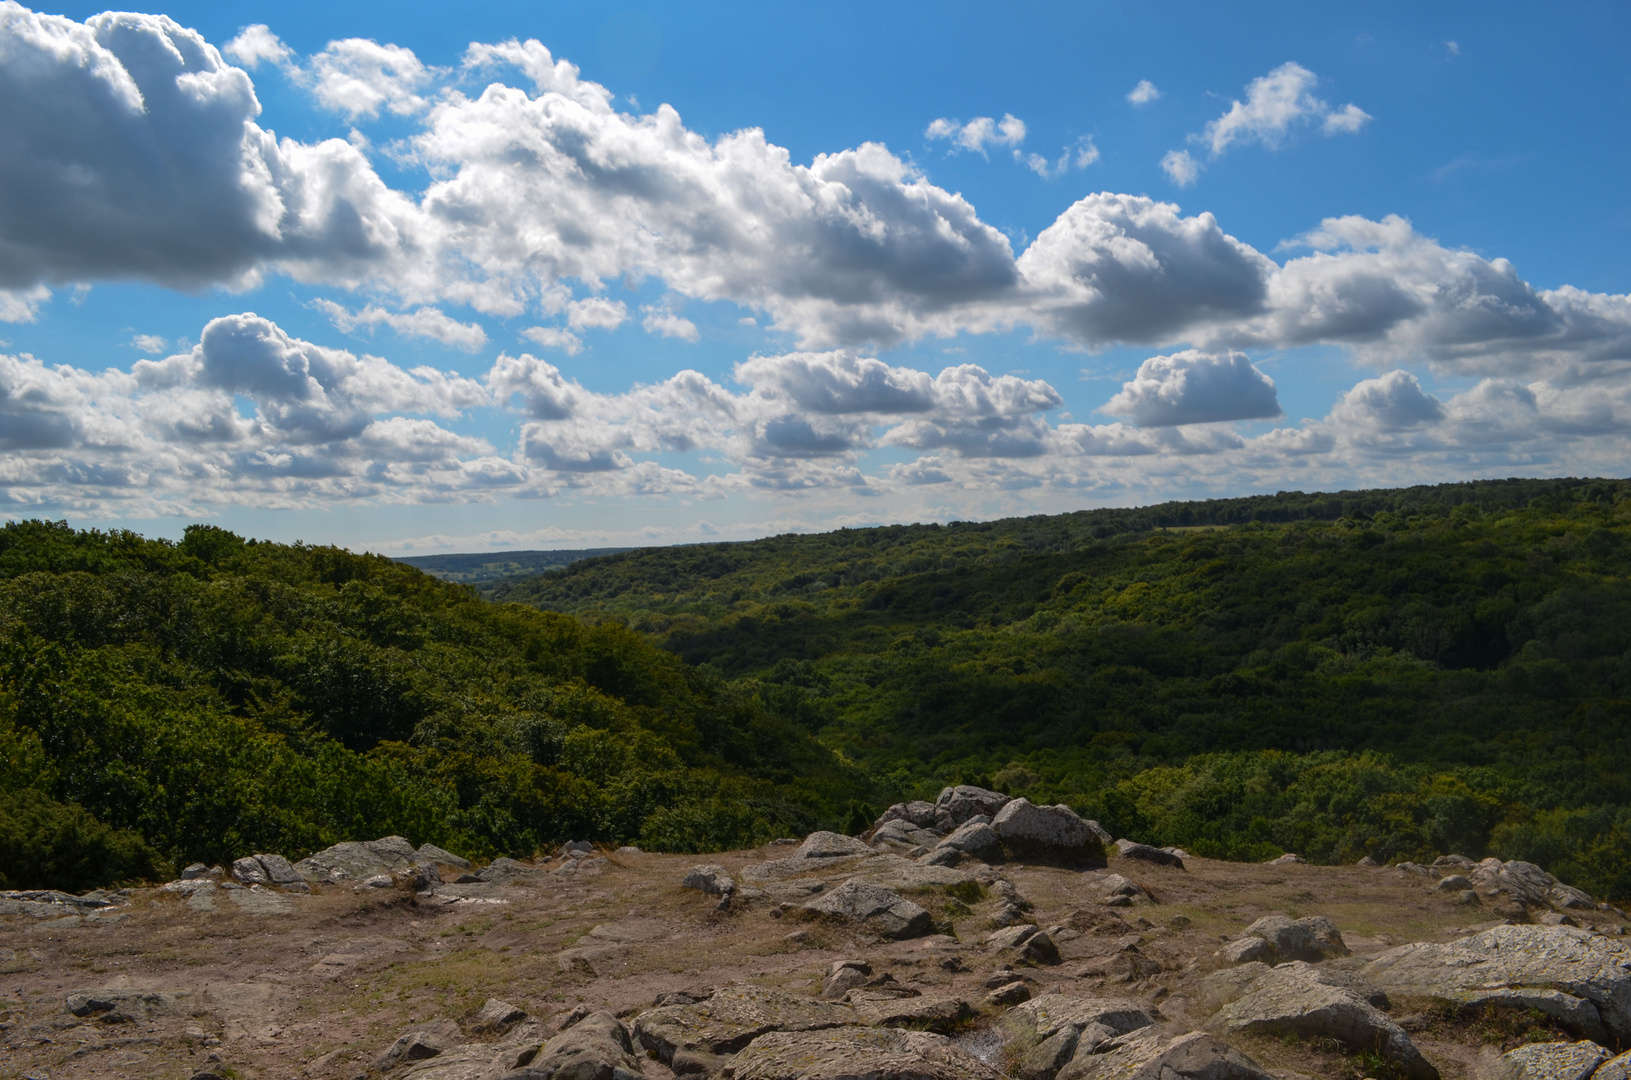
(491, 565)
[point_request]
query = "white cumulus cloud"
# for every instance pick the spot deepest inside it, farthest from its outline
(425, 322)
(1142, 94)
(256, 44)
(1193, 387)
(979, 133)
(358, 77)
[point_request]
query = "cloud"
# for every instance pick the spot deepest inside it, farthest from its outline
(426, 322)
(1181, 167)
(358, 77)
(1275, 103)
(22, 305)
(660, 320)
(256, 43)
(1393, 402)
(553, 337)
(129, 149)
(979, 133)
(596, 313)
(149, 343)
(1193, 387)
(1142, 94)
(1083, 155)
(1128, 268)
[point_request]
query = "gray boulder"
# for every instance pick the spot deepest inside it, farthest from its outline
(1051, 1030)
(1578, 977)
(920, 1012)
(975, 837)
(497, 1017)
(730, 1019)
(425, 1041)
(1030, 943)
(1146, 853)
(1248, 950)
(903, 834)
(430, 853)
(709, 878)
(844, 976)
(881, 910)
(1147, 1055)
(248, 871)
(847, 1053)
(831, 845)
(1297, 998)
(358, 860)
(1551, 1061)
(1618, 1068)
(1115, 889)
(917, 813)
(1310, 939)
(595, 1048)
(1047, 833)
(957, 804)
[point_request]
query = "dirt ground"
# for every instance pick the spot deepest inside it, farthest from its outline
(320, 990)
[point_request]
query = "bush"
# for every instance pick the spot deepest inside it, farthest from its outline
(48, 844)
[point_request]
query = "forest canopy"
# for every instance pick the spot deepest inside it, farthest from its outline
(1396, 674)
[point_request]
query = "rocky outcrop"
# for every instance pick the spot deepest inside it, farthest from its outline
(975, 837)
(729, 1020)
(1277, 939)
(1300, 999)
(597, 1047)
(1146, 1055)
(920, 1012)
(428, 1040)
(883, 911)
(1115, 890)
(117, 1006)
(849, 1052)
(1145, 853)
(1551, 1061)
(1056, 835)
(354, 861)
(1576, 977)
(957, 805)
(1028, 943)
(918, 814)
(710, 879)
(902, 834)
(831, 845)
(1050, 1031)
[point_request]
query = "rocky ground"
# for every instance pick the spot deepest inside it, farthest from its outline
(976, 938)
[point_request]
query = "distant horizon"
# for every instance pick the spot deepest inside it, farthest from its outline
(412, 278)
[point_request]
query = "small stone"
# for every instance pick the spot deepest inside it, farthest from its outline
(709, 878)
(498, 1016)
(1007, 995)
(1454, 883)
(249, 871)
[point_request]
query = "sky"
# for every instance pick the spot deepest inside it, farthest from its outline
(419, 278)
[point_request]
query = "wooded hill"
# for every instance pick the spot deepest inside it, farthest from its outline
(1393, 673)
(1396, 674)
(161, 703)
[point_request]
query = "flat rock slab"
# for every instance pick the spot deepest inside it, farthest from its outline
(778, 869)
(880, 910)
(1563, 971)
(894, 872)
(1145, 1055)
(1048, 1014)
(1551, 1061)
(926, 1013)
(116, 1005)
(261, 901)
(732, 1018)
(1298, 999)
(848, 1053)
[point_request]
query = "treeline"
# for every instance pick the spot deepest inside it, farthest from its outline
(1394, 673)
(161, 703)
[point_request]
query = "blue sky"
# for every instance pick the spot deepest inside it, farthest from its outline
(418, 278)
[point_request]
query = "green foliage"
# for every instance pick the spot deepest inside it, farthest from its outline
(1394, 673)
(219, 696)
(45, 844)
